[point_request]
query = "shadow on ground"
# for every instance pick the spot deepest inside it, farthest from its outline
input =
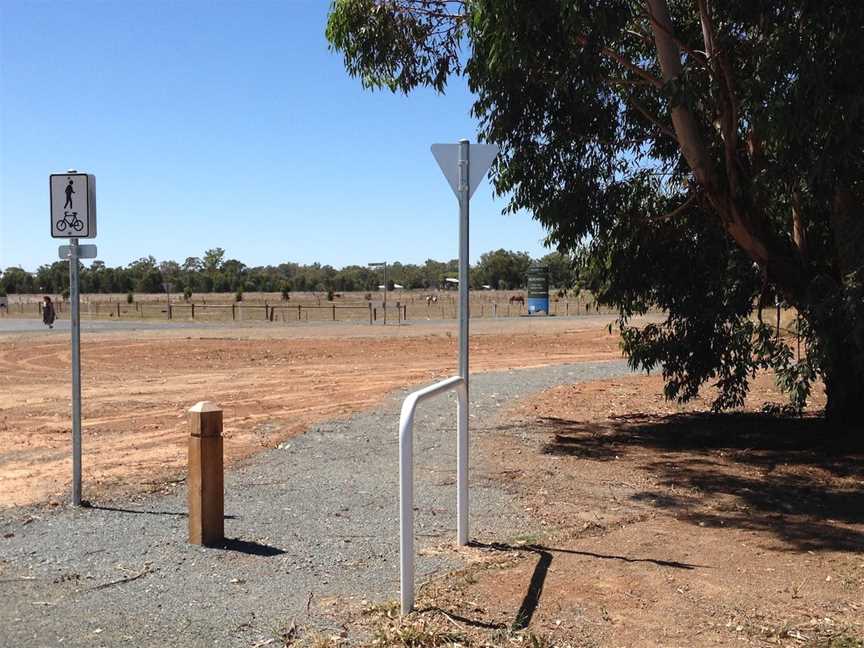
(249, 547)
(793, 477)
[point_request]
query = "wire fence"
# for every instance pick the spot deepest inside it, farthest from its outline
(285, 311)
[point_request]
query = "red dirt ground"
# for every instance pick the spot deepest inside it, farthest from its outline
(272, 383)
(660, 525)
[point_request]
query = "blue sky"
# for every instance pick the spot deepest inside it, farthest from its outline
(225, 124)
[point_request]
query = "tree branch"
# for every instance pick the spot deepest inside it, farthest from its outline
(686, 130)
(697, 56)
(615, 56)
(680, 208)
(666, 130)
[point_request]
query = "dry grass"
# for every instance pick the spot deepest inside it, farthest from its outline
(435, 628)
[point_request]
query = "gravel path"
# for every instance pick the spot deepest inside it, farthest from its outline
(318, 516)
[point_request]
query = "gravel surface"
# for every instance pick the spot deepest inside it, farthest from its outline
(317, 517)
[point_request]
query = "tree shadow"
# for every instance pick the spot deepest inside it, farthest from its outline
(796, 478)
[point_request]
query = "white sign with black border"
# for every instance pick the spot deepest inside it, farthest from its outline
(73, 205)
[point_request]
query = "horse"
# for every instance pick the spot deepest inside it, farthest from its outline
(431, 299)
(517, 298)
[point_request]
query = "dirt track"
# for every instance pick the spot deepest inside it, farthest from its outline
(272, 382)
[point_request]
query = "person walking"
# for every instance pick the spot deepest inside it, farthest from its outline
(69, 192)
(48, 314)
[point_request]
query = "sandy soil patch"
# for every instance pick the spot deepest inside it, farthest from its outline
(272, 383)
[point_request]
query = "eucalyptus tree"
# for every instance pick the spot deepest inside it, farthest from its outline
(703, 157)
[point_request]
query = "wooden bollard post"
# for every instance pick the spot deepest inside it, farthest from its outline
(205, 490)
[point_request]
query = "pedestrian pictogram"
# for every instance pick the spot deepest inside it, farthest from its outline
(73, 205)
(69, 191)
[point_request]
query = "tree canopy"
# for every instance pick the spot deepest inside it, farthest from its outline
(218, 274)
(702, 157)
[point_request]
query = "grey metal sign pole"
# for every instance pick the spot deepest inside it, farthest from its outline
(464, 194)
(464, 200)
(76, 372)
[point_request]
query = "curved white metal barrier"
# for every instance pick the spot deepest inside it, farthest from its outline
(406, 477)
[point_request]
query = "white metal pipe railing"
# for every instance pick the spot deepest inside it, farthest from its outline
(406, 477)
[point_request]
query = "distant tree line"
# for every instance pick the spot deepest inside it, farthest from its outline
(212, 272)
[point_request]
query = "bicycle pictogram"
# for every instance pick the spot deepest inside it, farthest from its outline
(75, 223)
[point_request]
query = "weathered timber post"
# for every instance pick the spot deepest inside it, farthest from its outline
(204, 483)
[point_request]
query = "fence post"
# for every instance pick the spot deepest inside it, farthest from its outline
(205, 481)
(334, 312)
(405, 312)
(299, 308)
(375, 313)
(233, 312)
(118, 310)
(193, 310)
(370, 313)
(398, 314)
(169, 312)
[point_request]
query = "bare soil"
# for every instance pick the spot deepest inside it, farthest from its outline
(273, 382)
(664, 525)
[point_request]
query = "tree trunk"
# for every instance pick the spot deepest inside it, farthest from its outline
(844, 386)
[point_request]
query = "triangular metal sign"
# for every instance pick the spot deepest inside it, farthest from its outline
(480, 157)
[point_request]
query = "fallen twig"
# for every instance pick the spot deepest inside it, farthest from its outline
(308, 603)
(127, 579)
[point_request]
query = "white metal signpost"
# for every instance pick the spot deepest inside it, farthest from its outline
(73, 216)
(464, 165)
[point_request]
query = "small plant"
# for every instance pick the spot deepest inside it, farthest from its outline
(130, 297)
(330, 294)
(238, 296)
(187, 294)
(65, 294)
(286, 292)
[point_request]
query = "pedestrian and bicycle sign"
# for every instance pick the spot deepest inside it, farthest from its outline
(73, 216)
(73, 205)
